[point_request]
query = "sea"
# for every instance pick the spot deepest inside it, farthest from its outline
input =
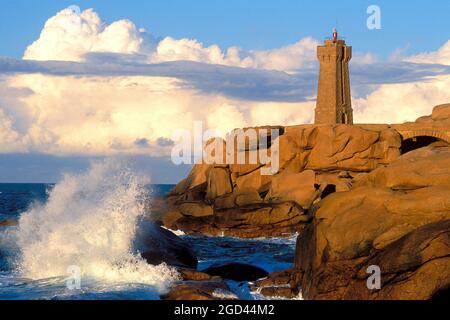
(87, 222)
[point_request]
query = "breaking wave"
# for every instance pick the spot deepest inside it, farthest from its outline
(89, 222)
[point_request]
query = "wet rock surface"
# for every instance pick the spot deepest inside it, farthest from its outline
(158, 245)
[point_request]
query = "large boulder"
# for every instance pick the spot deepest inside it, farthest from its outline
(197, 176)
(298, 187)
(417, 266)
(158, 245)
(353, 148)
(219, 183)
(386, 213)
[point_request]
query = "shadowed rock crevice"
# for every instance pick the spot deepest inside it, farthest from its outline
(329, 189)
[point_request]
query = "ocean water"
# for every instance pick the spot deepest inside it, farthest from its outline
(87, 222)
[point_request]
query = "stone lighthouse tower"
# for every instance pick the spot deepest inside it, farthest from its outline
(334, 105)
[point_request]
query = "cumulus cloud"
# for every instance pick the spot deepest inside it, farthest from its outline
(296, 56)
(401, 102)
(170, 49)
(130, 114)
(407, 87)
(9, 138)
(69, 35)
(225, 118)
(300, 55)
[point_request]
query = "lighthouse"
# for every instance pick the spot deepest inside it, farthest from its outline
(334, 105)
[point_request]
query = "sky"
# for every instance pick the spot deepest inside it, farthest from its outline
(248, 24)
(86, 80)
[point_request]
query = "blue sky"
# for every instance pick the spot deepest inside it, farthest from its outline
(415, 26)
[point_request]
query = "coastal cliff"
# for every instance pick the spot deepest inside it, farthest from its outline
(357, 195)
(315, 161)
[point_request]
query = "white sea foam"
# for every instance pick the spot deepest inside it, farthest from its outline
(258, 296)
(224, 294)
(176, 232)
(89, 221)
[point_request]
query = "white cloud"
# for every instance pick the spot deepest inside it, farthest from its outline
(170, 49)
(401, 102)
(295, 56)
(107, 115)
(69, 35)
(441, 56)
(282, 114)
(225, 118)
(9, 138)
(398, 103)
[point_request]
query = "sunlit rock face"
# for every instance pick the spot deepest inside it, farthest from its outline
(315, 161)
(396, 218)
(355, 194)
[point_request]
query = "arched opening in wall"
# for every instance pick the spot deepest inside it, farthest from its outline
(344, 118)
(419, 142)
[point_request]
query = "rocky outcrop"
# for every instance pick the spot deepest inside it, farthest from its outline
(396, 218)
(238, 200)
(417, 266)
(364, 199)
(314, 162)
